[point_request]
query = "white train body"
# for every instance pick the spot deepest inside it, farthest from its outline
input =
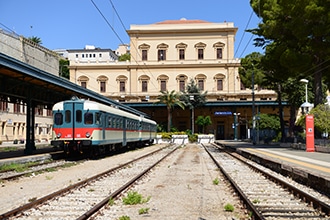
(83, 125)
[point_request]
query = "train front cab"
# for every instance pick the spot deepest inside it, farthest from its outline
(72, 127)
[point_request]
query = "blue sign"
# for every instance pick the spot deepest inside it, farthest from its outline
(222, 113)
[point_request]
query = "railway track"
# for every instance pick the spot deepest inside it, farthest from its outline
(34, 169)
(267, 194)
(81, 200)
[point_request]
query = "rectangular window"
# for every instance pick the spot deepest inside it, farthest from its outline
(83, 55)
(77, 56)
(242, 86)
(201, 84)
(79, 116)
(88, 118)
(219, 53)
(58, 118)
(200, 54)
(181, 54)
(67, 116)
(162, 85)
(100, 55)
(102, 86)
(182, 85)
(144, 55)
(144, 86)
(219, 85)
(161, 55)
(16, 108)
(122, 86)
(84, 84)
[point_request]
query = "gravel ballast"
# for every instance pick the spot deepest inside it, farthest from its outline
(181, 187)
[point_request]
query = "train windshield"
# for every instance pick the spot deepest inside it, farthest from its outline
(58, 118)
(88, 118)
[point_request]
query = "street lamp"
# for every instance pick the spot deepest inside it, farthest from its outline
(192, 98)
(235, 125)
(309, 121)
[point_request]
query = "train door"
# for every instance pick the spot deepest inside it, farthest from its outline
(72, 118)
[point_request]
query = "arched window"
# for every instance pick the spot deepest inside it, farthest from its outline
(144, 80)
(102, 81)
(162, 80)
(218, 47)
(200, 79)
(162, 48)
(83, 81)
(200, 47)
(181, 47)
(122, 80)
(144, 49)
(182, 79)
(219, 79)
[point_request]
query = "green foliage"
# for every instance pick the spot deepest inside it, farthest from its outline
(143, 211)
(251, 66)
(125, 57)
(35, 39)
(134, 198)
(229, 207)
(216, 181)
(64, 68)
(203, 122)
(124, 217)
(193, 97)
(268, 121)
(192, 138)
(300, 34)
(170, 99)
(321, 117)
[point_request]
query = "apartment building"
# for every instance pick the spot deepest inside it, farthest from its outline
(166, 56)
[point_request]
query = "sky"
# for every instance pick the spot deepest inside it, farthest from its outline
(72, 24)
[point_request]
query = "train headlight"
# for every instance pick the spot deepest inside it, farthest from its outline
(87, 134)
(58, 135)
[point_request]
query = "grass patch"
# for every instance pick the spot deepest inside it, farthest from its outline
(229, 207)
(143, 211)
(134, 198)
(124, 217)
(216, 181)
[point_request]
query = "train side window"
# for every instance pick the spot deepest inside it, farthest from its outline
(88, 117)
(58, 118)
(78, 116)
(98, 118)
(67, 116)
(109, 122)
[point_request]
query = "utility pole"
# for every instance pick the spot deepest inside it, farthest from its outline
(253, 113)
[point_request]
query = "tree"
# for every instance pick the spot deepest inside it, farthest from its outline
(35, 39)
(193, 97)
(170, 99)
(321, 118)
(203, 122)
(64, 70)
(125, 57)
(303, 29)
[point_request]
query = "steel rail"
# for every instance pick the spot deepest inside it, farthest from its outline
(36, 202)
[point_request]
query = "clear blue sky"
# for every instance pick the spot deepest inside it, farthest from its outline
(72, 24)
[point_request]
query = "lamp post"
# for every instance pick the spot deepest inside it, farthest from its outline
(309, 121)
(235, 125)
(306, 106)
(192, 98)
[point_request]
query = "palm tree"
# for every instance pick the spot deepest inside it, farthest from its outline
(35, 39)
(170, 99)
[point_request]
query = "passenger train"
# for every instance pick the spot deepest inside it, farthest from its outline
(84, 126)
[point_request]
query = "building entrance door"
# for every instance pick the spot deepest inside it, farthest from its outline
(220, 135)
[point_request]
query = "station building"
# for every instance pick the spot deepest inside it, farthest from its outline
(165, 56)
